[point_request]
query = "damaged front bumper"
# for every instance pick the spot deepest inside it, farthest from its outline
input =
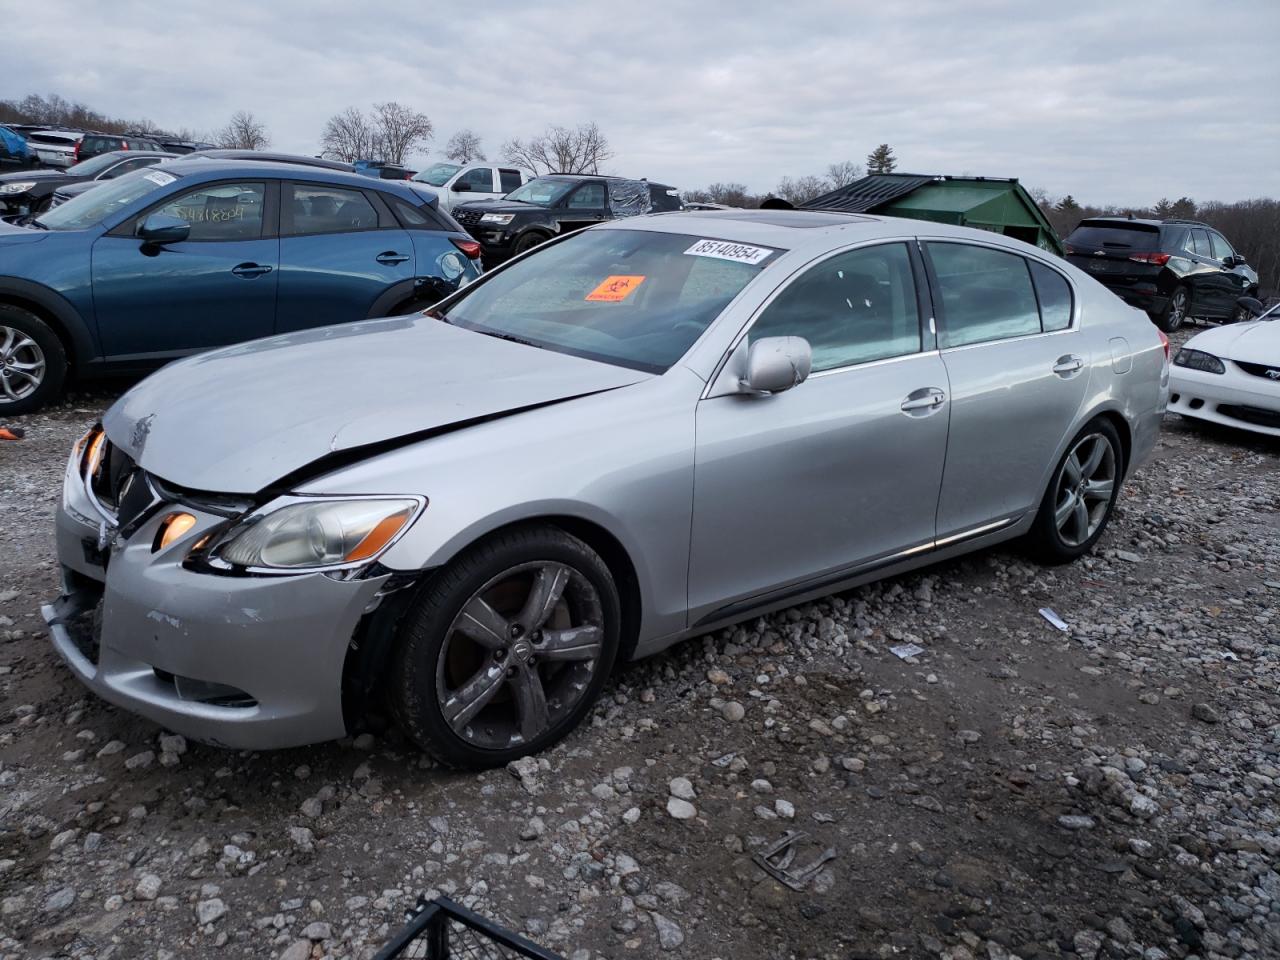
(250, 662)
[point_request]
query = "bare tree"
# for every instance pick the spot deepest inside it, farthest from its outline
(244, 132)
(843, 173)
(561, 150)
(464, 146)
(348, 136)
(799, 190)
(399, 130)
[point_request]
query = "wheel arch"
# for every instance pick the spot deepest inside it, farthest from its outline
(57, 312)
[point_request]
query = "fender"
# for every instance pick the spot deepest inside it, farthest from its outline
(82, 347)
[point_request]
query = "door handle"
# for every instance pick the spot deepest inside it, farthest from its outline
(250, 270)
(1068, 366)
(923, 401)
(390, 257)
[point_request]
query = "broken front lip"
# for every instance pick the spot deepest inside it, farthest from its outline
(238, 420)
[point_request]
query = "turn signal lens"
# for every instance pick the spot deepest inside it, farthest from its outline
(378, 537)
(93, 459)
(174, 527)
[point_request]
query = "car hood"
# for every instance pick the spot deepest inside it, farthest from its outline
(238, 420)
(36, 175)
(502, 206)
(11, 234)
(1255, 342)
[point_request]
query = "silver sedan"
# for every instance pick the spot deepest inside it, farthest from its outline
(632, 435)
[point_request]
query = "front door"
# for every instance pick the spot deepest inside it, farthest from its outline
(1018, 369)
(340, 250)
(216, 287)
(587, 204)
(839, 472)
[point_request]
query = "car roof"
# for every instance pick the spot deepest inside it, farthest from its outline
(815, 230)
(260, 156)
(191, 165)
(129, 154)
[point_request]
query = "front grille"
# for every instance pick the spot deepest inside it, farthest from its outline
(1255, 415)
(58, 200)
(1270, 371)
(468, 218)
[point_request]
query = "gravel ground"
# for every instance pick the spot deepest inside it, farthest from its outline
(1014, 791)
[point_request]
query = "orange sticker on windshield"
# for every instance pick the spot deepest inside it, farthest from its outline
(614, 289)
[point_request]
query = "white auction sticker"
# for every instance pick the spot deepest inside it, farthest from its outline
(160, 177)
(724, 250)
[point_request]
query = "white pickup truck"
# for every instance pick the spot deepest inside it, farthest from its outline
(459, 182)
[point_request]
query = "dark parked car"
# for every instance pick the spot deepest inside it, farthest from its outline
(301, 160)
(555, 204)
(166, 262)
(95, 144)
(32, 191)
(185, 146)
(1173, 269)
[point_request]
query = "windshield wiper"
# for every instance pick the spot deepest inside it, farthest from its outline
(507, 336)
(33, 222)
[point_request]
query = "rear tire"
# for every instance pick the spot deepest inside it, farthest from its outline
(33, 362)
(1175, 313)
(1081, 497)
(507, 648)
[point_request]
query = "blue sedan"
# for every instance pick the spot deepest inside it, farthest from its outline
(186, 256)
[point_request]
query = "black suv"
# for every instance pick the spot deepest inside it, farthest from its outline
(32, 191)
(1173, 269)
(555, 204)
(95, 143)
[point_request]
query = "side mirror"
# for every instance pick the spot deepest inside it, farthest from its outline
(1253, 305)
(160, 228)
(462, 186)
(775, 364)
(1229, 261)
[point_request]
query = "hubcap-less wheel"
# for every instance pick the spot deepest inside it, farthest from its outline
(22, 365)
(1083, 489)
(520, 655)
(1177, 309)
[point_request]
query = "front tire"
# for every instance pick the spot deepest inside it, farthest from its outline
(1175, 312)
(507, 648)
(527, 242)
(33, 362)
(1081, 497)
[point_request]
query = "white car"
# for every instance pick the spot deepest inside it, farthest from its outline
(1231, 375)
(459, 182)
(54, 148)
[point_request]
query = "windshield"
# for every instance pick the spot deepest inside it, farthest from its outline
(438, 174)
(97, 204)
(94, 165)
(544, 191)
(628, 297)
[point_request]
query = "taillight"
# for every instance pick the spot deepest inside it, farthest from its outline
(124, 145)
(469, 247)
(1164, 341)
(1159, 259)
(1069, 251)
(76, 152)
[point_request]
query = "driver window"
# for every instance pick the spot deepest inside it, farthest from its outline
(220, 211)
(589, 196)
(853, 308)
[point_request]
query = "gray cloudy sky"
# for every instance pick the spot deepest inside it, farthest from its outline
(1119, 102)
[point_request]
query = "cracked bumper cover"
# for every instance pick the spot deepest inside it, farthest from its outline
(281, 640)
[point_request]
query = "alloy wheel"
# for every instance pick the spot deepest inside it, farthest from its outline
(22, 365)
(1178, 309)
(520, 655)
(1084, 489)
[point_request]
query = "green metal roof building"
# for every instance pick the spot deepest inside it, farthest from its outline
(988, 203)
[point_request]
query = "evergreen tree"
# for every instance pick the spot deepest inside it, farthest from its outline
(881, 159)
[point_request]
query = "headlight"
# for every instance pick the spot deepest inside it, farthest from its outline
(1199, 360)
(22, 186)
(498, 219)
(326, 533)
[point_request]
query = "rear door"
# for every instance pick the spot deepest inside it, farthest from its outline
(216, 287)
(340, 249)
(1018, 368)
(508, 180)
